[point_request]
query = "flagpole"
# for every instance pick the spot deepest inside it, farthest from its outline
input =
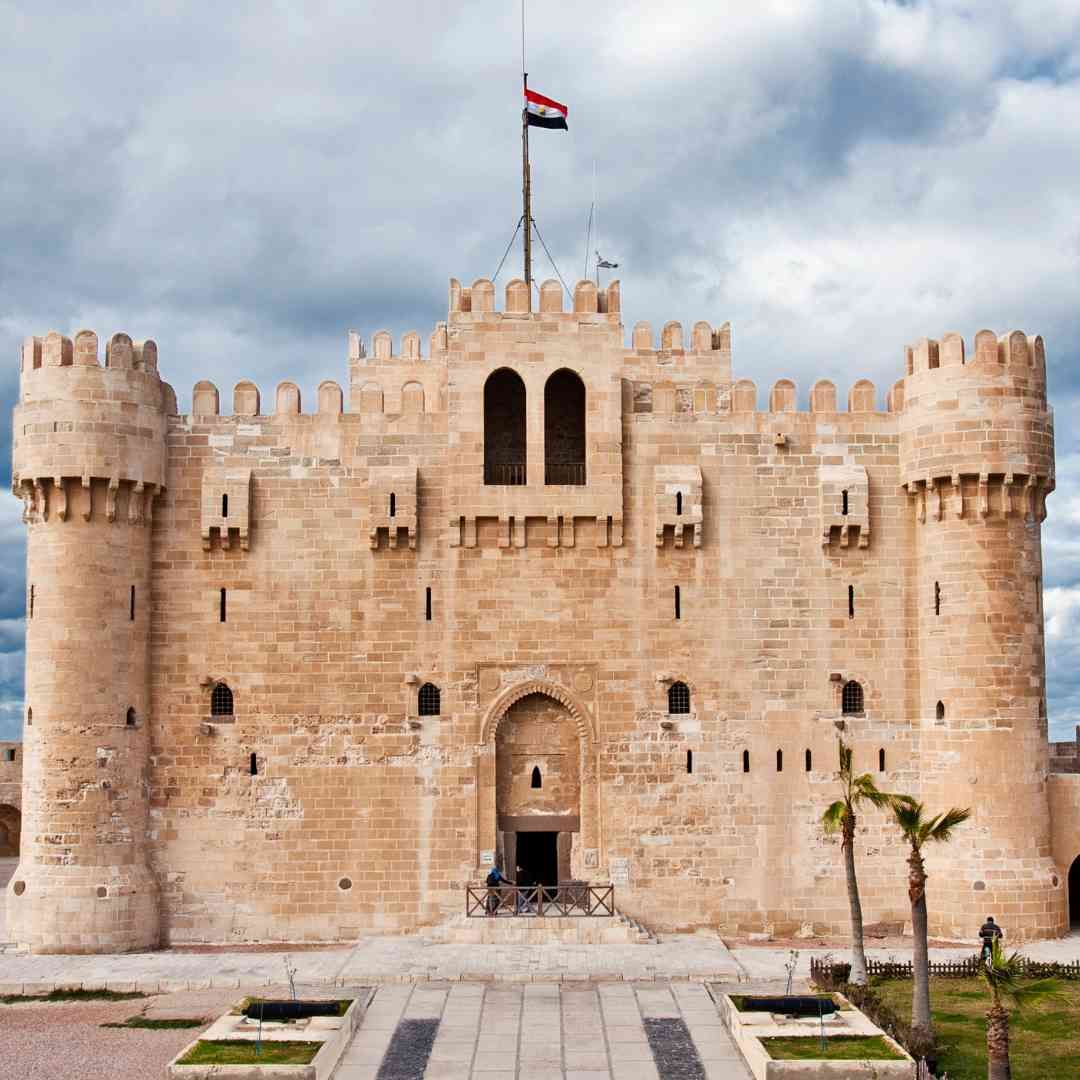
(526, 190)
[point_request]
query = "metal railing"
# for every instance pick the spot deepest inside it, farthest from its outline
(571, 900)
(565, 472)
(510, 473)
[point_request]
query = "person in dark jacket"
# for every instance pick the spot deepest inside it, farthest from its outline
(988, 933)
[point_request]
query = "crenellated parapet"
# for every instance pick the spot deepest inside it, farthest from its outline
(84, 424)
(976, 436)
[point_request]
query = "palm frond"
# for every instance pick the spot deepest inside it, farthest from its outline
(845, 758)
(833, 818)
(1004, 976)
(941, 827)
(909, 816)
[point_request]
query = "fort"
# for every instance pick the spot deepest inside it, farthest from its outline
(536, 598)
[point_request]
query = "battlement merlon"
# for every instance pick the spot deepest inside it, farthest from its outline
(78, 420)
(984, 418)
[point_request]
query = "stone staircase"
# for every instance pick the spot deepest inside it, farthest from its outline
(617, 929)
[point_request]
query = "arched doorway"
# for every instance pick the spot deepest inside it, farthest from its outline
(10, 826)
(538, 766)
(1074, 894)
(504, 428)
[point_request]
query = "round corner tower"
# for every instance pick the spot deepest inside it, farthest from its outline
(89, 460)
(977, 461)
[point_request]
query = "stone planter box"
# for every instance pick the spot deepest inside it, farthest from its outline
(749, 1028)
(334, 1032)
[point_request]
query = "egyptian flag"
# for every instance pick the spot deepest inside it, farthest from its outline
(542, 112)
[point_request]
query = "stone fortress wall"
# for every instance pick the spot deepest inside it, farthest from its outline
(592, 550)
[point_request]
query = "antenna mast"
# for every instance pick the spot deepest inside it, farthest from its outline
(526, 182)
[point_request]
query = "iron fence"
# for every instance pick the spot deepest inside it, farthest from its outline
(568, 473)
(570, 900)
(969, 967)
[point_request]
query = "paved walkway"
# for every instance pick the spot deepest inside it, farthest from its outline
(477, 1031)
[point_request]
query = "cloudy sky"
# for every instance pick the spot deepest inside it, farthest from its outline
(243, 182)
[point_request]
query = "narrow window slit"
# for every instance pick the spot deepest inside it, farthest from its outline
(393, 504)
(940, 711)
(131, 605)
(253, 765)
(937, 597)
(221, 607)
(31, 601)
(881, 760)
(678, 503)
(809, 761)
(427, 603)
(746, 761)
(844, 508)
(537, 780)
(851, 601)
(779, 760)
(224, 506)
(678, 603)
(689, 761)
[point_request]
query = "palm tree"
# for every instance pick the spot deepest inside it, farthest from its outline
(841, 817)
(919, 830)
(1002, 975)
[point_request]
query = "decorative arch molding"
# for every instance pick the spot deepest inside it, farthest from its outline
(502, 704)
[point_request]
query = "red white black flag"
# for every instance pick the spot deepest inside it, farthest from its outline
(542, 112)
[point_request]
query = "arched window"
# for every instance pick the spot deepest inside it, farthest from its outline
(564, 429)
(221, 700)
(537, 780)
(881, 760)
(851, 700)
(427, 700)
(809, 761)
(678, 698)
(779, 760)
(504, 428)
(130, 719)
(746, 761)
(940, 710)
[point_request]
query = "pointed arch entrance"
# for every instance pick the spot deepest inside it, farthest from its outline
(1074, 894)
(537, 799)
(10, 827)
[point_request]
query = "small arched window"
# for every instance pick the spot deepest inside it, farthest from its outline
(29, 717)
(779, 760)
(809, 761)
(844, 507)
(940, 710)
(130, 718)
(678, 698)
(678, 503)
(224, 506)
(746, 761)
(427, 700)
(393, 504)
(851, 700)
(881, 760)
(221, 700)
(537, 780)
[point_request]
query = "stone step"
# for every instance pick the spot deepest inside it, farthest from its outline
(614, 929)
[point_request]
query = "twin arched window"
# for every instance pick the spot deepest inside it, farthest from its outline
(221, 700)
(678, 698)
(428, 700)
(505, 429)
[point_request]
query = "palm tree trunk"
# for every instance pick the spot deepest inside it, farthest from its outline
(858, 950)
(920, 981)
(997, 1044)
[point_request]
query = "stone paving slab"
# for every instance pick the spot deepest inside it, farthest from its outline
(606, 1031)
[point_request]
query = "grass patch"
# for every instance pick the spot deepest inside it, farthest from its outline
(170, 1024)
(70, 995)
(235, 1052)
(739, 1000)
(837, 1048)
(342, 1006)
(1044, 1037)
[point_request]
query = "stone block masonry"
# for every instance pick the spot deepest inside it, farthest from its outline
(298, 676)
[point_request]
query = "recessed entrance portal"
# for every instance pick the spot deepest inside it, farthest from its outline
(538, 857)
(1074, 894)
(10, 825)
